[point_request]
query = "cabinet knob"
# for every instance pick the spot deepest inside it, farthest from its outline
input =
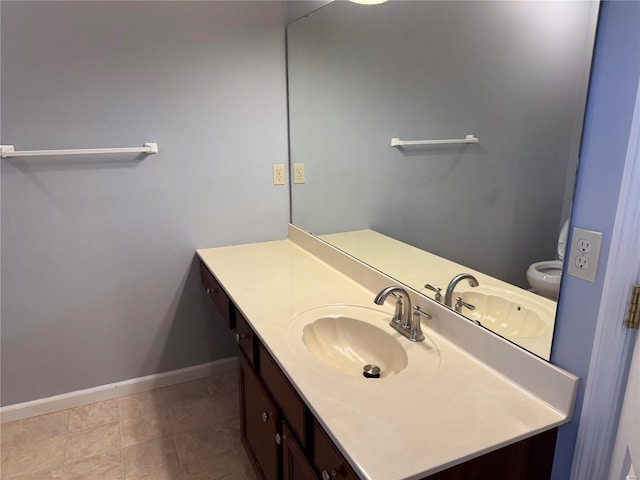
(238, 337)
(326, 475)
(281, 438)
(266, 416)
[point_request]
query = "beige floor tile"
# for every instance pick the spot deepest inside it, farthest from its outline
(107, 466)
(193, 415)
(93, 441)
(36, 458)
(36, 429)
(185, 393)
(6, 434)
(46, 474)
(143, 404)
(142, 429)
(4, 458)
(232, 465)
(227, 405)
(152, 460)
(189, 431)
(224, 382)
(88, 416)
(199, 444)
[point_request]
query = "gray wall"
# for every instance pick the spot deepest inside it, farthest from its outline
(512, 73)
(99, 282)
(300, 8)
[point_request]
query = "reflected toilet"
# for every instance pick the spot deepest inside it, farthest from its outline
(544, 277)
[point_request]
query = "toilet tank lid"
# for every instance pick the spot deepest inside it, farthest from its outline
(562, 239)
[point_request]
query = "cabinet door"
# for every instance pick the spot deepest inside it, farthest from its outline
(258, 422)
(294, 464)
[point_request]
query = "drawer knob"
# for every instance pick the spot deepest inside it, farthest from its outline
(238, 337)
(281, 438)
(326, 475)
(266, 416)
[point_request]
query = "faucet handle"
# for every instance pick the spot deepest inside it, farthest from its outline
(418, 311)
(461, 303)
(438, 296)
(416, 334)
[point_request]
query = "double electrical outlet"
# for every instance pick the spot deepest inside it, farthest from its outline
(584, 253)
(279, 173)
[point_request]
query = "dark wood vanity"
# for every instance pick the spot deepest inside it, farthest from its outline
(284, 440)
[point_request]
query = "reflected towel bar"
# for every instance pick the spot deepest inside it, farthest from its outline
(396, 142)
(7, 151)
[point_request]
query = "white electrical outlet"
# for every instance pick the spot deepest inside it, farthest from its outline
(584, 253)
(298, 173)
(278, 174)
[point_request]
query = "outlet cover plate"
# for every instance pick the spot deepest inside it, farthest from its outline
(584, 254)
(278, 174)
(298, 173)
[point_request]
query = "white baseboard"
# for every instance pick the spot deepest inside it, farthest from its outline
(78, 398)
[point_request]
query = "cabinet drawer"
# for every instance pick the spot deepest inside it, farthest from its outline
(217, 296)
(284, 394)
(327, 458)
(245, 338)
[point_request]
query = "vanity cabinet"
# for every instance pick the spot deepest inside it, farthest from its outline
(295, 465)
(292, 406)
(218, 296)
(259, 420)
(327, 458)
(246, 340)
(274, 445)
(285, 442)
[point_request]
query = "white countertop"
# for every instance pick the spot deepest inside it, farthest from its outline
(415, 267)
(404, 429)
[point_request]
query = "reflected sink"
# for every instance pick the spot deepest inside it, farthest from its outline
(347, 344)
(506, 313)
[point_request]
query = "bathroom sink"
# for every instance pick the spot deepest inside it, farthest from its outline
(348, 344)
(343, 339)
(507, 313)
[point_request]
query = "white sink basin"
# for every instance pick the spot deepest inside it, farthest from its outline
(342, 339)
(348, 344)
(508, 314)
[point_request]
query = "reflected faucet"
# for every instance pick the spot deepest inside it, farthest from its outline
(452, 285)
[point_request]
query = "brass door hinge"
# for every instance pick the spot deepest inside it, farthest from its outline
(633, 320)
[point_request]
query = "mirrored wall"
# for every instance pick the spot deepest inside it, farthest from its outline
(512, 74)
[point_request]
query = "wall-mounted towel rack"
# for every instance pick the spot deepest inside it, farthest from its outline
(7, 151)
(396, 142)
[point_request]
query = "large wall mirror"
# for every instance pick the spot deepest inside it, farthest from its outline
(512, 74)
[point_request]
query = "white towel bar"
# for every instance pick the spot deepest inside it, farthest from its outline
(396, 142)
(7, 151)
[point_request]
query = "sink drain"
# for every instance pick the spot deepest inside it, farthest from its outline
(371, 371)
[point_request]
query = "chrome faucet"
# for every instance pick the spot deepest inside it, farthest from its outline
(452, 285)
(402, 320)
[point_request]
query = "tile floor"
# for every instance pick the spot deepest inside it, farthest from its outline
(188, 431)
